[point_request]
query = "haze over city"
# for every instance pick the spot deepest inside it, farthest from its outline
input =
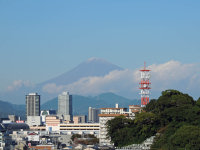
(40, 40)
(99, 75)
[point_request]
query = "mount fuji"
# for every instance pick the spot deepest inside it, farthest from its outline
(93, 67)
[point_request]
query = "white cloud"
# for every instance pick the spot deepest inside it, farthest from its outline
(18, 84)
(172, 74)
(52, 88)
(116, 81)
(172, 70)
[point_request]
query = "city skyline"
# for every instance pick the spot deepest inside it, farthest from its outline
(40, 40)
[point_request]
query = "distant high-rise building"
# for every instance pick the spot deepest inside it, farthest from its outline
(33, 104)
(93, 114)
(33, 109)
(65, 106)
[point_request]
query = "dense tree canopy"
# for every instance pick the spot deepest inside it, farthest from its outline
(174, 118)
(187, 137)
(118, 130)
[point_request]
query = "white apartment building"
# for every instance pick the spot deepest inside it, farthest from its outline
(110, 113)
(103, 118)
(135, 108)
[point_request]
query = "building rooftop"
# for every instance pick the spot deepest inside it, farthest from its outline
(113, 108)
(112, 115)
(14, 126)
(135, 105)
(32, 94)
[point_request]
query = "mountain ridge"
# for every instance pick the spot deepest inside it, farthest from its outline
(93, 67)
(82, 103)
(89, 68)
(84, 69)
(7, 108)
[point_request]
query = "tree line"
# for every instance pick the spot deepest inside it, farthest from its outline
(174, 118)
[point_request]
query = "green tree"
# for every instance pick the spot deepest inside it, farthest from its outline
(175, 116)
(151, 106)
(146, 124)
(198, 102)
(187, 137)
(118, 129)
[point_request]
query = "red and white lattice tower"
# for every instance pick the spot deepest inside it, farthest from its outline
(145, 86)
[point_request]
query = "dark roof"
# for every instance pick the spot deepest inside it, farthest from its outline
(15, 126)
(1, 119)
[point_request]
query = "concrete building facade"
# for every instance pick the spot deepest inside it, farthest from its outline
(67, 128)
(79, 119)
(105, 115)
(110, 113)
(34, 120)
(32, 104)
(65, 106)
(135, 108)
(45, 113)
(93, 115)
(52, 123)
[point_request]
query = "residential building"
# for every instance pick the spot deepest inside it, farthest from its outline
(105, 115)
(65, 106)
(135, 108)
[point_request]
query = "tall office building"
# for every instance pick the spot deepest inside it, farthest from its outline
(65, 106)
(93, 114)
(33, 104)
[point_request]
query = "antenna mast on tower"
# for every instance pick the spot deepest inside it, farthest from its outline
(145, 86)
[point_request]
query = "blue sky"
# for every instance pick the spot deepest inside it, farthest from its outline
(42, 39)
